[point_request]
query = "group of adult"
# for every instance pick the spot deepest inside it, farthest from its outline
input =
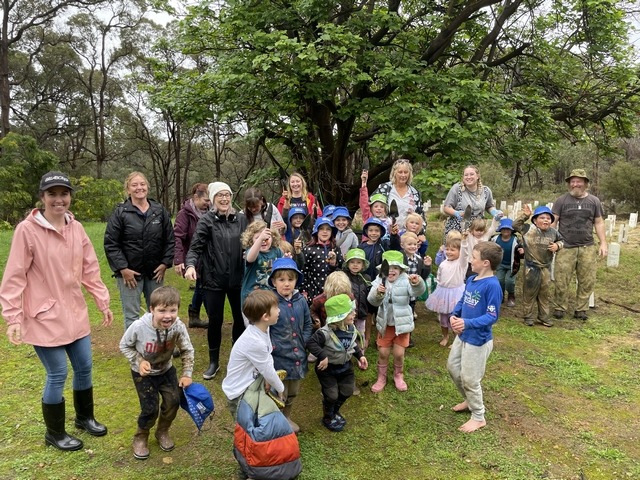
(51, 258)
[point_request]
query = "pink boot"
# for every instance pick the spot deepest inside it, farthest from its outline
(382, 379)
(398, 377)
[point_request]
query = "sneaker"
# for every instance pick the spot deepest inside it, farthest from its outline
(546, 322)
(340, 419)
(580, 315)
(528, 322)
(333, 424)
(559, 314)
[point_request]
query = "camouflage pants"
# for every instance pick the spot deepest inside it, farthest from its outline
(536, 288)
(582, 261)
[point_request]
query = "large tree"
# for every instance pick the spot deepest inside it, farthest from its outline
(436, 81)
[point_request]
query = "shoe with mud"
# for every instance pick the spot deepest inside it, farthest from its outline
(546, 323)
(559, 314)
(528, 322)
(511, 301)
(333, 424)
(580, 315)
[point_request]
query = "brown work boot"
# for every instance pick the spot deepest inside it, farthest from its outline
(141, 444)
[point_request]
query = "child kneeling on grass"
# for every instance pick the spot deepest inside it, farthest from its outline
(148, 345)
(334, 344)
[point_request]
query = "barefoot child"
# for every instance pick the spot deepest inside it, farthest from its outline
(472, 321)
(452, 267)
(394, 320)
(334, 344)
(148, 345)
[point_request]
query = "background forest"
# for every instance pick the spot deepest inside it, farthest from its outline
(233, 90)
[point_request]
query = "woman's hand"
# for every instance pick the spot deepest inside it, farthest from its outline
(107, 317)
(129, 277)
(158, 273)
(179, 269)
(14, 334)
(190, 274)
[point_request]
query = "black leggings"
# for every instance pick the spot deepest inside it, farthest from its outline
(214, 305)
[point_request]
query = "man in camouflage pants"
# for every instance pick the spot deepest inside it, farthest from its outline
(576, 214)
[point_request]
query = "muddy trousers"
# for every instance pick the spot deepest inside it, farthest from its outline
(150, 389)
(536, 289)
(582, 261)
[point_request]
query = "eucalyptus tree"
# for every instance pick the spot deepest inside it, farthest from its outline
(438, 81)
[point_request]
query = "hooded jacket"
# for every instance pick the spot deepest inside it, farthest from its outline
(41, 288)
(139, 242)
(183, 229)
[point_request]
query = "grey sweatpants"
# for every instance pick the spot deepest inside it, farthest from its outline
(466, 365)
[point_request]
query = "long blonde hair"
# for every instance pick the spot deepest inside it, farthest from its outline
(304, 185)
(394, 169)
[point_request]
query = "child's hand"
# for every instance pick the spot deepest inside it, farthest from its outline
(278, 225)
(264, 235)
(287, 255)
(381, 289)
(322, 365)
(363, 363)
(297, 245)
(421, 239)
(414, 279)
(427, 260)
(457, 324)
(394, 229)
(364, 177)
(521, 251)
(316, 322)
(441, 248)
(526, 209)
(185, 382)
(553, 247)
(144, 368)
(332, 258)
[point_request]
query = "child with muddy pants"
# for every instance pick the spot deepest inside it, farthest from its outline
(472, 320)
(148, 344)
(541, 242)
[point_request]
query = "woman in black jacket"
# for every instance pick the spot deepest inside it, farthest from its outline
(216, 250)
(139, 245)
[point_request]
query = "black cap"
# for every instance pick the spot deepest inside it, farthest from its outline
(54, 179)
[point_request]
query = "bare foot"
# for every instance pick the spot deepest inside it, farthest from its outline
(444, 341)
(472, 425)
(461, 407)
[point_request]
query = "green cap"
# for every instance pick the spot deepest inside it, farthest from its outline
(394, 258)
(377, 197)
(357, 254)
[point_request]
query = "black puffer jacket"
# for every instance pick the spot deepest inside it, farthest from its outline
(217, 251)
(139, 242)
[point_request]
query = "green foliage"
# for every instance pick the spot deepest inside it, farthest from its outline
(22, 163)
(621, 183)
(95, 198)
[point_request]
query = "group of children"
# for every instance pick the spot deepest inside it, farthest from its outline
(314, 297)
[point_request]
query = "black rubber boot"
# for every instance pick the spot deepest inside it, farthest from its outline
(83, 403)
(214, 364)
(194, 320)
(53, 414)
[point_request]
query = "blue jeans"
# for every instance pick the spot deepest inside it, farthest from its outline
(198, 297)
(130, 297)
(54, 360)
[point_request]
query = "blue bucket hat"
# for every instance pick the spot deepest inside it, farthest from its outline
(197, 402)
(328, 210)
(285, 263)
(296, 211)
(505, 223)
(540, 210)
(374, 221)
(341, 212)
(324, 221)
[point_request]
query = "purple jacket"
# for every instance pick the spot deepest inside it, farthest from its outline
(183, 230)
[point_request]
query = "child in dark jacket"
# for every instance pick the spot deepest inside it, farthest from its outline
(321, 257)
(355, 263)
(290, 334)
(334, 345)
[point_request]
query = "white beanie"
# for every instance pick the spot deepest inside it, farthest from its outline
(217, 187)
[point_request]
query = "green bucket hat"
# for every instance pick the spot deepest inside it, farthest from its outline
(357, 254)
(578, 172)
(378, 197)
(394, 258)
(338, 308)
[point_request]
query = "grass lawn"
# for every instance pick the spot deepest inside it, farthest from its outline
(562, 403)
